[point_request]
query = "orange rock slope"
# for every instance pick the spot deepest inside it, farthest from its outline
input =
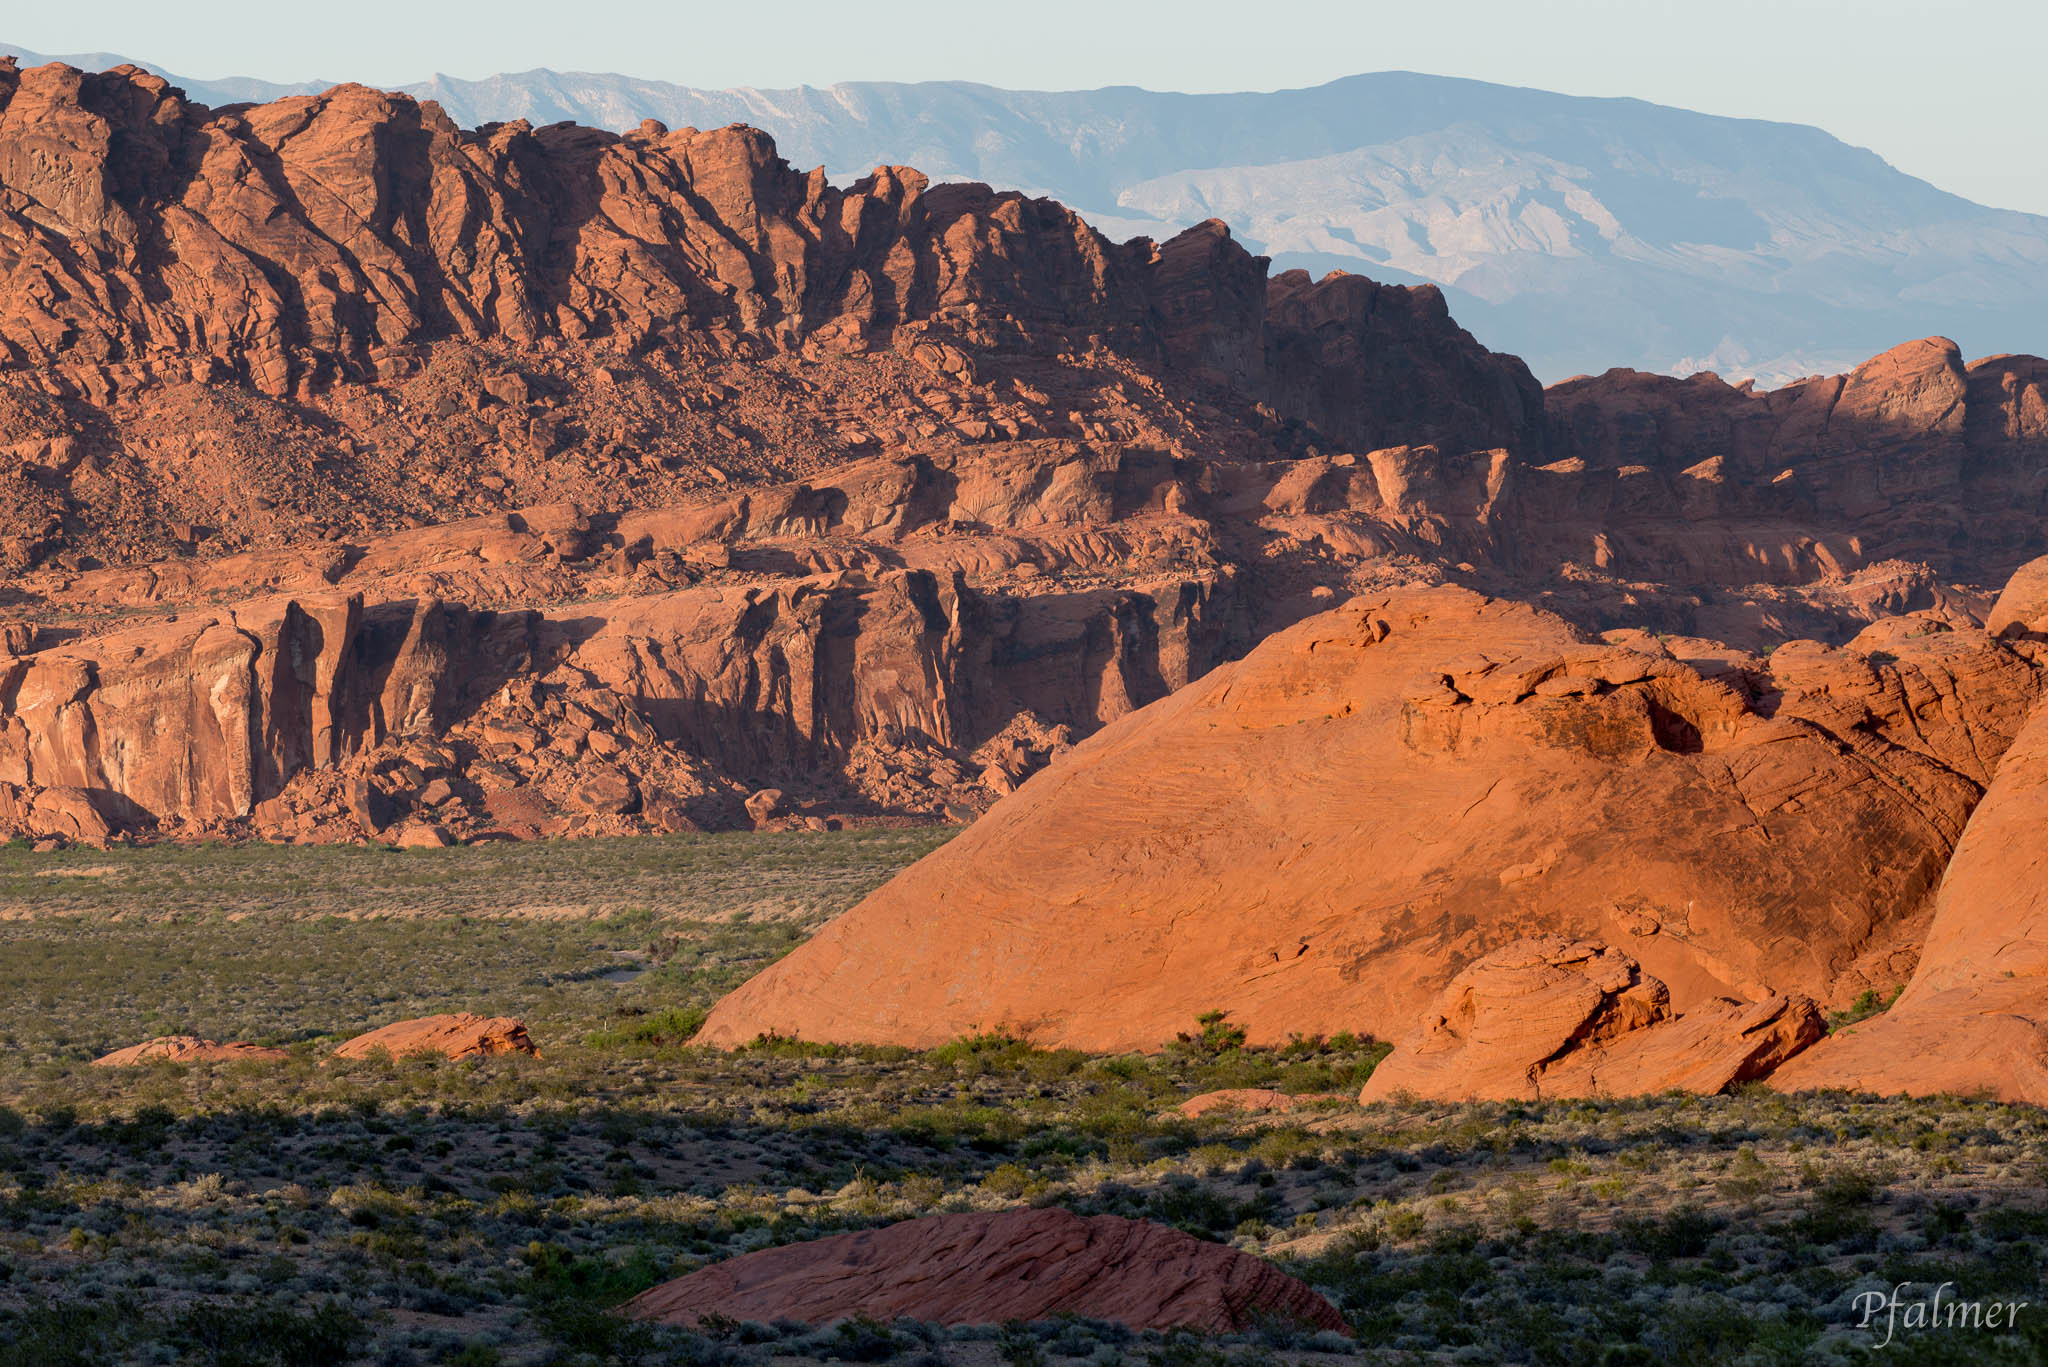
(992, 1268)
(1318, 837)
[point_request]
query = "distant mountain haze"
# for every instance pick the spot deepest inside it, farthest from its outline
(1578, 233)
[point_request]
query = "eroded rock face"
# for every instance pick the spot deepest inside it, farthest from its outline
(187, 1049)
(1551, 1017)
(1895, 459)
(878, 495)
(569, 287)
(990, 1268)
(1318, 837)
(1974, 1018)
(315, 716)
(461, 1035)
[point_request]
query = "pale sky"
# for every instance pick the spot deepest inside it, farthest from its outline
(1950, 91)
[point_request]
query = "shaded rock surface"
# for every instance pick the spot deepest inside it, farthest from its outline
(990, 1268)
(1316, 838)
(460, 1035)
(1974, 1017)
(186, 1049)
(1551, 1017)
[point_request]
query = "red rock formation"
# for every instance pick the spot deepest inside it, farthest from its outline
(1550, 1017)
(271, 710)
(1913, 455)
(1384, 365)
(2021, 612)
(462, 1035)
(325, 242)
(877, 495)
(187, 1049)
(987, 1269)
(1317, 837)
(1971, 1021)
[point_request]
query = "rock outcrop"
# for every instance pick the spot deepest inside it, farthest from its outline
(363, 477)
(523, 293)
(187, 1049)
(1550, 1017)
(1316, 838)
(1914, 455)
(461, 1035)
(992, 1268)
(1974, 1018)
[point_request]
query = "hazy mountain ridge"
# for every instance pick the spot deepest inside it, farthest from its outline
(1579, 233)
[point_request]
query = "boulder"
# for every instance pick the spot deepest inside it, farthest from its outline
(602, 791)
(1316, 838)
(187, 1049)
(1550, 1017)
(422, 835)
(69, 814)
(980, 1268)
(763, 805)
(452, 1036)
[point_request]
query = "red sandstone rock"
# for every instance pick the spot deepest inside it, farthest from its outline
(1650, 472)
(991, 1268)
(2021, 611)
(1974, 1018)
(1318, 837)
(187, 1049)
(422, 835)
(826, 487)
(454, 1036)
(762, 806)
(1550, 1017)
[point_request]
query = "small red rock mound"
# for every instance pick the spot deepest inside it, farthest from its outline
(1974, 1019)
(989, 1268)
(1548, 1016)
(186, 1049)
(1252, 1101)
(455, 1036)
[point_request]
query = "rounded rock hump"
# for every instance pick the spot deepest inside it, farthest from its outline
(462, 1035)
(187, 1049)
(1317, 837)
(979, 1268)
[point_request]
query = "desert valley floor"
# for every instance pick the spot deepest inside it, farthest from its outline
(494, 1210)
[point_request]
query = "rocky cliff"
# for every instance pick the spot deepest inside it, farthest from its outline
(364, 475)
